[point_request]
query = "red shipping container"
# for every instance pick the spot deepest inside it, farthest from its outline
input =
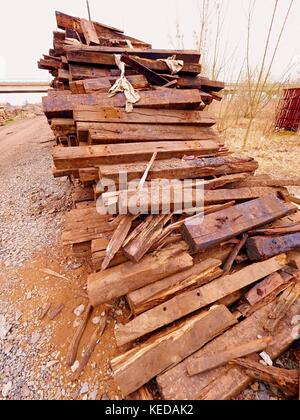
(288, 112)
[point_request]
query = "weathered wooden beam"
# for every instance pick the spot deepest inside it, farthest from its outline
(144, 236)
(87, 156)
(203, 364)
(264, 288)
(187, 82)
(262, 247)
(155, 197)
(88, 109)
(89, 32)
(154, 294)
(285, 379)
(118, 281)
(101, 133)
(189, 56)
(92, 58)
(228, 223)
(103, 84)
(280, 230)
(139, 365)
(285, 301)
(226, 382)
(142, 115)
(181, 169)
(191, 301)
(63, 126)
(82, 72)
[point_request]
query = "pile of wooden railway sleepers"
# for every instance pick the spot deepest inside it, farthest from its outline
(205, 293)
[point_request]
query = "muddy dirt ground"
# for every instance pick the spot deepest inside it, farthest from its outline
(33, 351)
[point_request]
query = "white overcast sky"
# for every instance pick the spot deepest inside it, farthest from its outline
(26, 28)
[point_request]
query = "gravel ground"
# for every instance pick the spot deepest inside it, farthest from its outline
(32, 201)
(33, 352)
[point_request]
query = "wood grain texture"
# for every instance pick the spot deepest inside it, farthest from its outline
(203, 364)
(91, 156)
(228, 223)
(226, 382)
(163, 99)
(136, 367)
(181, 169)
(262, 247)
(120, 280)
(191, 301)
(154, 294)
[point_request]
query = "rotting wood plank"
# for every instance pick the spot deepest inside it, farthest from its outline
(141, 113)
(203, 364)
(81, 72)
(136, 367)
(225, 382)
(285, 379)
(191, 301)
(285, 301)
(171, 103)
(199, 82)
(262, 247)
(87, 156)
(264, 288)
(258, 181)
(144, 239)
(103, 84)
(88, 174)
(276, 230)
(117, 239)
(89, 32)
(235, 252)
(63, 126)
(100, 133)
(189, 56)
(107, 59)
(155, 197)
(154, 294)
(120, 258)
(181, 169)
(118, 281)
(228, 223)
(212, 184)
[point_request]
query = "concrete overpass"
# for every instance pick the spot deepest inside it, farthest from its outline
(24, 87)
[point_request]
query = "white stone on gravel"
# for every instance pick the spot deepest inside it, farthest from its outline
(6, 389)
(96, 320)
(75, 366)
(84, 389)
(79, 310)
(4, 328)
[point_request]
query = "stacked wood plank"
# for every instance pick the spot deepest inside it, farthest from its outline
(2, 115)
(201, 285)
